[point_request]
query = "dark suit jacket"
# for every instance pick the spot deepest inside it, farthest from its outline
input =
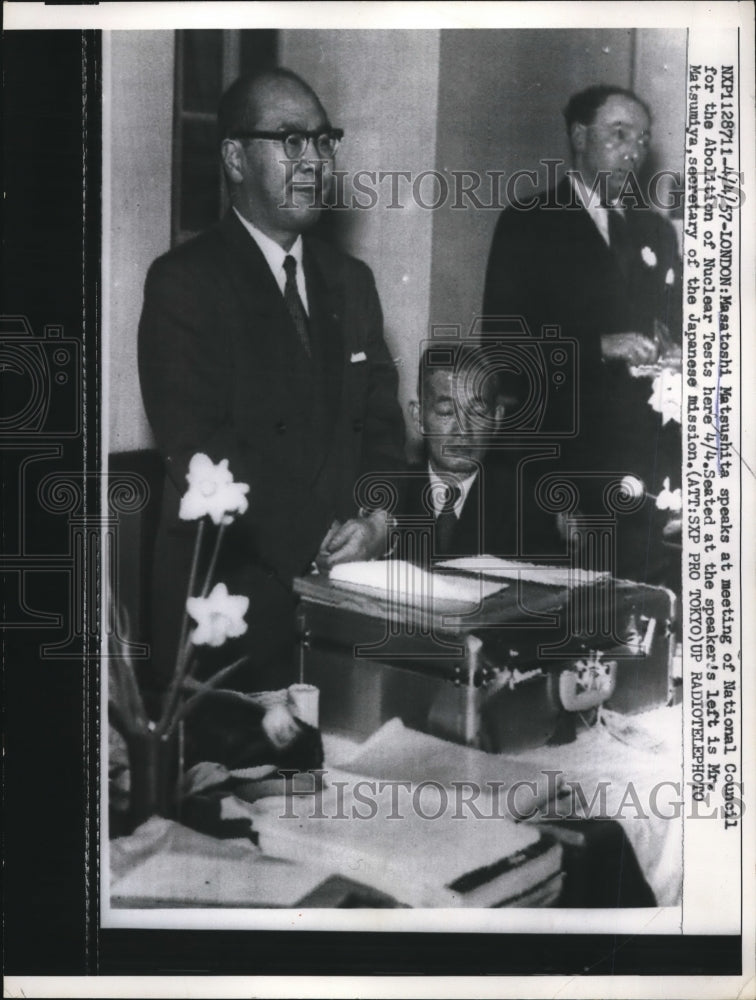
(223, 372)
(499, 516)
(550, 265)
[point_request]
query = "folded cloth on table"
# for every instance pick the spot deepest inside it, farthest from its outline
(227, 750)
(247, 766)
(628, 770)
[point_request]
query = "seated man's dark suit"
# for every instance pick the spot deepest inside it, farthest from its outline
(223, 372)
(496, 518)
(550, 265)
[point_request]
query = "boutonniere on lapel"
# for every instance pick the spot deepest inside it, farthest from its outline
(357, 357)
(666, 395)
(648, 257)
(666, 499)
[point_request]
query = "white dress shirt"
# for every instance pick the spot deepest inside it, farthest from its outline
(275, 255)
(599, 213)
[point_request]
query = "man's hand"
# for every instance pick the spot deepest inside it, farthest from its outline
(672, 530)
(633, 348)
(669, 349)
(357, 539)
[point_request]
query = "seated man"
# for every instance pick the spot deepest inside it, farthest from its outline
(471, 483)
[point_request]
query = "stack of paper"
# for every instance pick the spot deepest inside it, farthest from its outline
(404, 842)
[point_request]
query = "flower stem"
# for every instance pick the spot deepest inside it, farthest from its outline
(213, 560)
(184, 646)
(190, 586)
(183, 664)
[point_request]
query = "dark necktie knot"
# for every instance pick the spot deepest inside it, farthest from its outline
(290, 267)
(294, 303)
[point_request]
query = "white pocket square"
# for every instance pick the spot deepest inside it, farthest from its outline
(359, 356)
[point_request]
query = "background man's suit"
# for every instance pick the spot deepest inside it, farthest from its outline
(551, 265)
(223, 372)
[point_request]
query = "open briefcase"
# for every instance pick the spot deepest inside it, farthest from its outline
(493, 654)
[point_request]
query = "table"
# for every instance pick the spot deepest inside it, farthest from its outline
(164, 864)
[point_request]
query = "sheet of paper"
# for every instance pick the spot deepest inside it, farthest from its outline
(512, 569)
(411, 584)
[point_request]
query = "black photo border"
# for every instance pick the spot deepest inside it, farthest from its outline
(51, 275)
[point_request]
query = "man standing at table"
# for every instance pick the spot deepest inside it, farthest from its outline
(594, 258)
(261, 345)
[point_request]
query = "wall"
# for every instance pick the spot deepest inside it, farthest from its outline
(659, 78)
(137, 123)
(501, 109)
(464, 101)
(381, 87)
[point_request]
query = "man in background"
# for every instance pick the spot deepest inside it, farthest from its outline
(261, 345)
(594, 258)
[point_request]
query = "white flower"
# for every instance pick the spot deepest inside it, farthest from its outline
(669, 278)
(669, 499)
(219, 616)
(212, 491)
(666, 395)
(648, 257)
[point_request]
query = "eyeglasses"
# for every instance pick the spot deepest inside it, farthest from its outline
(295, 143)
(621, 135)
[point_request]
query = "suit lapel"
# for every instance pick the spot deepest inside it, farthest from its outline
(260, 294)
(584, 233)
(250, 274)
(269, 333)
(314, 387)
